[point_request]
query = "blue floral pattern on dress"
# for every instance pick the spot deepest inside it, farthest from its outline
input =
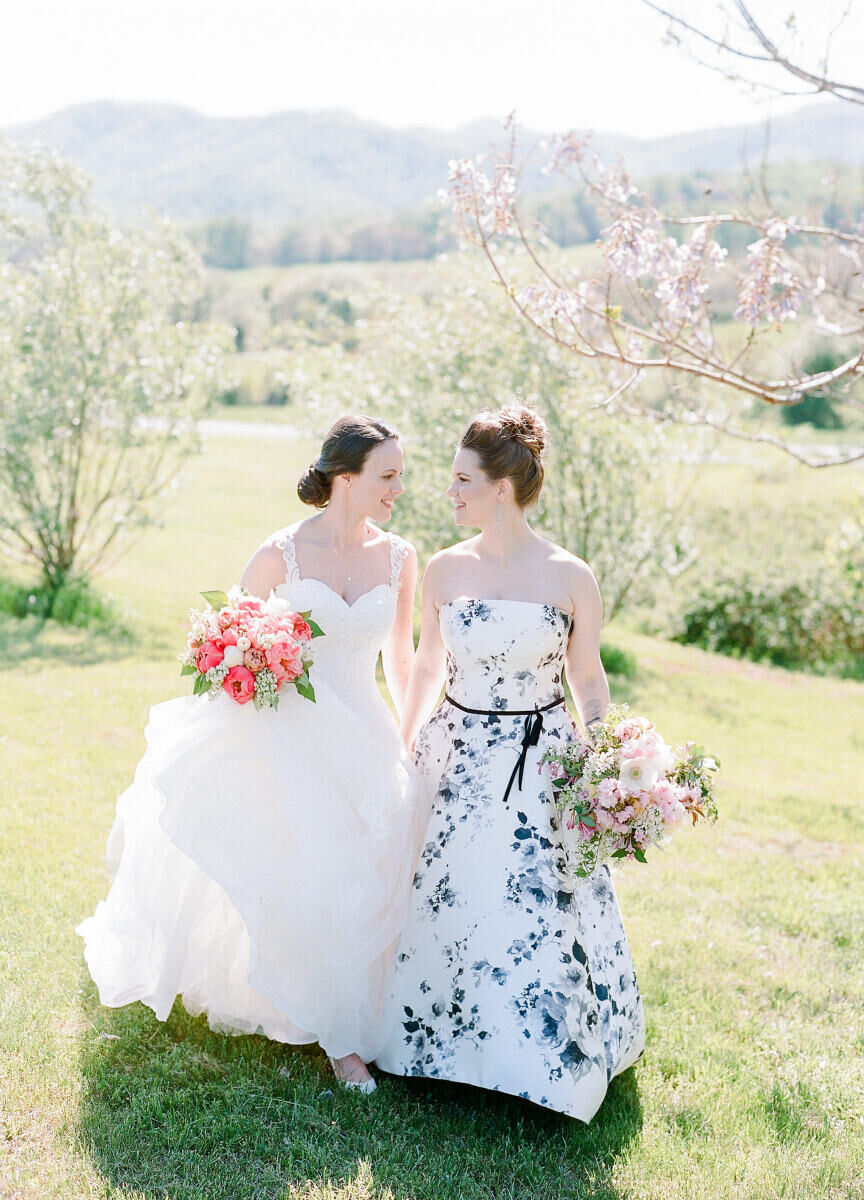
(506, 977)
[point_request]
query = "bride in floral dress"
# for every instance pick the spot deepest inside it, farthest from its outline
(506, 976)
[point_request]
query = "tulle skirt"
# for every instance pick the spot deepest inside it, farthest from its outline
(261, 867)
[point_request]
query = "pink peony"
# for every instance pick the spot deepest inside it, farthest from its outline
(631, 727)
(239, 683)
(285, 660)
(210, 655)
(228, 637)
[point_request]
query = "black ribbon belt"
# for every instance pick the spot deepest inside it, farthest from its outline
(531, 736)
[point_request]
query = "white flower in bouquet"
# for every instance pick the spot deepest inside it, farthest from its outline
(233, 656)
(276, 606)
(638, 774)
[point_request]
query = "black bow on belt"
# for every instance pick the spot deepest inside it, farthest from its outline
(531, 736)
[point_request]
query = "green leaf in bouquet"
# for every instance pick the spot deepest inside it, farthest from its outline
(619, 854)
(639, 855)
(304, 687)
(201, 685)
(188, 669)
(215, 599)
(588, 820)
(317, 631)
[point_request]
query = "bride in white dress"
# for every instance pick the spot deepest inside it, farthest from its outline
(262, 861)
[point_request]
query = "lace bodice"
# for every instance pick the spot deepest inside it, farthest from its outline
(346, 656)
(504, 653)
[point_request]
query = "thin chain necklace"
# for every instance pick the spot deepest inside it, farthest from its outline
(339, 554)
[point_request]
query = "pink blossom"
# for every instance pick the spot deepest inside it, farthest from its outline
(671, 810)
(483, 204)
(768, 291)
(239, 683)
(567, 149)
(608, 793)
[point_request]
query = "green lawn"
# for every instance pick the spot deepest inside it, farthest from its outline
(747, 937)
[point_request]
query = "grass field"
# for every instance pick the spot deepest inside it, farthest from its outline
(747, 938)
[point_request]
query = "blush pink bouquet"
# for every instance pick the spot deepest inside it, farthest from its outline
(248, 648)
(626, 791)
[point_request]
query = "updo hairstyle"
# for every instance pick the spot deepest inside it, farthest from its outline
(344, 452)
(510, 444)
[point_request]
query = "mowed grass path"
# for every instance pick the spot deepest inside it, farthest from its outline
(747, 938)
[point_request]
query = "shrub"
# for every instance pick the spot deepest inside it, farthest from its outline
(811, 624)
(75, 604)
(816, 409)
(617, 662)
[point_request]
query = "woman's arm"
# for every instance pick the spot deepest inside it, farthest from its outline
(264, 571)
(585, 674)
(427, 674)
(397, 654)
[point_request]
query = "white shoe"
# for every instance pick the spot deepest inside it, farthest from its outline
(366, 1086)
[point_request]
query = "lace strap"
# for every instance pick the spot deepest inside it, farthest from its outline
(285, 541)
(398, 554)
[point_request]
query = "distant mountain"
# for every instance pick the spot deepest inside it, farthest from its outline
(292, 166)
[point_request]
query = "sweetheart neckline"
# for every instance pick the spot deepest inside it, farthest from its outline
(504, 600)
(333, 592)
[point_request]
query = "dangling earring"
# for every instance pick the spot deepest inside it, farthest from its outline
(499, 513)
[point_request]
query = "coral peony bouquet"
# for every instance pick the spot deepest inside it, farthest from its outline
(626, 791)
(248, 648)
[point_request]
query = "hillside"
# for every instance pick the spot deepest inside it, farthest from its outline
(291, 166)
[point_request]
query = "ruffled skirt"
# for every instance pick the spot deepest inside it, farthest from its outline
(261, 868)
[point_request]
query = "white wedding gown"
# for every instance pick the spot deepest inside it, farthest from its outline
(262, 861)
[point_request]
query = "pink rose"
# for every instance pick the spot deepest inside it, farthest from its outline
(255, 660)
(239, 683)
(210, 655)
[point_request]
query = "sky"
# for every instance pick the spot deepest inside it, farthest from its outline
(590, 64)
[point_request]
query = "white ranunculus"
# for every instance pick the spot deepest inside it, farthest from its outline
(233, 656)
(638, 774)
(243, 643)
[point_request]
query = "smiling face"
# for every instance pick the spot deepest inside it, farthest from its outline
(475, 496)
(375, 488)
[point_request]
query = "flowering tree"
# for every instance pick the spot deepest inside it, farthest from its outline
(646, 308)
(616, 493)
(101, 372)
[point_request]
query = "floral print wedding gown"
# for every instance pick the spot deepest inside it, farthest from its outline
(507, 977)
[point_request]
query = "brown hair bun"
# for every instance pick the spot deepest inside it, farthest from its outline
(510, 444)
(344, 451)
